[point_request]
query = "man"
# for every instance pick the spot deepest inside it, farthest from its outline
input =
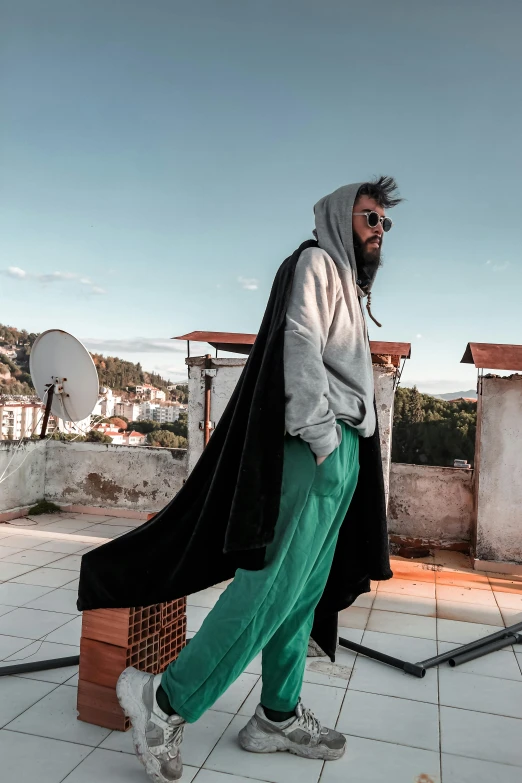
(329, 413)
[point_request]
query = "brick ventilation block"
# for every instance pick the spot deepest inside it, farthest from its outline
(146, 637)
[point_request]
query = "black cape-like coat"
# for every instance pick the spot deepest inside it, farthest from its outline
(225, 514)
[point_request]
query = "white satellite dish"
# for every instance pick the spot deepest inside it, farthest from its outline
(64, 375)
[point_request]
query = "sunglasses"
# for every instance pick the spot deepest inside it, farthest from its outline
(373, 219)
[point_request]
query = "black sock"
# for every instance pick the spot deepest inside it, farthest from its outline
(278, 717)
(162, 700)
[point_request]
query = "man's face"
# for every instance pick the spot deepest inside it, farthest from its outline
(367, 241)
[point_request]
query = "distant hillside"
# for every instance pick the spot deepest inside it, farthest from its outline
(431, 431)
(470, 394)
(112, 371)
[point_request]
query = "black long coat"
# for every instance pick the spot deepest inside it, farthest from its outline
(225, 514)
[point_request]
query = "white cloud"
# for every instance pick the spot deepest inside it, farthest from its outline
(419, 337)
(53, 277)
(15, 271)
(248, 283)
(135, 345)
(498, 266)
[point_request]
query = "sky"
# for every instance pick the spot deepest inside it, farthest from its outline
(160, 159)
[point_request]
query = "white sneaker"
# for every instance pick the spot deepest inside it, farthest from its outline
(302, 736)
(157, 736)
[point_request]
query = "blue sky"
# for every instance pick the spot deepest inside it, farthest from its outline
(160, 159)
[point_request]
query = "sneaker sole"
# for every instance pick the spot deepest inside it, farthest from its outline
(277, 744)
(135, 710)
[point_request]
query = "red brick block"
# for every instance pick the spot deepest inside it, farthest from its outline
(171, 642)
(102, 663)
(171, 611)
(122, 627)
(99, 705)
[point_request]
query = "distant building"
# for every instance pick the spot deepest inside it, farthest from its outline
(22, 419)
(135, 438)
(149, 392)
(8, 351)
(131, 410)
(166, 413)
(19, 420)
(106, 403)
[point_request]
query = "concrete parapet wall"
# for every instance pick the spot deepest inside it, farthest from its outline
(23, 483)
(138, 478)
(92, 474)
(430, 504)
(499, 469)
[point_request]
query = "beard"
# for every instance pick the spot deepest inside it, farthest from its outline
(368, 260)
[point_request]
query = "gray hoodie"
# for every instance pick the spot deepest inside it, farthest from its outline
(327, 359)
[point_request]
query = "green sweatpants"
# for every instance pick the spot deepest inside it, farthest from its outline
(272, 610)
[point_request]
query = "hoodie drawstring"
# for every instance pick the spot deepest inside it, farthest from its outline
(368, 308)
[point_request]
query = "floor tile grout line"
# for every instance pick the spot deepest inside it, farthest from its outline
(491, 761)
(77, 765)
(394, 696)
(439, 724)
(6, 727)
(219, 738)
(43, 736)
(387, 742)
(30, 642)
(479, 712)
(34, 641)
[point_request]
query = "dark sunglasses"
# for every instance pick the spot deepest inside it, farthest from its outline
(373, 219)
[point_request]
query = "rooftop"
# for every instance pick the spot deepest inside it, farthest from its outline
(452, 726)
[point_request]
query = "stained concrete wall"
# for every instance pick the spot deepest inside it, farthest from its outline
(499, 470)
(431, 504)
(227, 372)
(226, 375)
(142, 478)
(24, 479)
(384, 380)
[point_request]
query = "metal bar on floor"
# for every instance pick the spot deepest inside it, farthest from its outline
(39, 666)
(466, 652)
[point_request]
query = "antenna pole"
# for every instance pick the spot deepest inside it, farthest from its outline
(48, 404)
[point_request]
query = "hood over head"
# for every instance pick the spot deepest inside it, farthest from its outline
(333, 224)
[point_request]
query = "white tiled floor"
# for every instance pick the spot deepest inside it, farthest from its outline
(461, 725)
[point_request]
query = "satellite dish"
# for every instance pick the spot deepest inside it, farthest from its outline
(64, 375)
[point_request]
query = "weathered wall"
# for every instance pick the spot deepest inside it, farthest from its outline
(384, 379)
(141, 478)
(499, 470)
(227, 372)
(25, 486)
(430, 503)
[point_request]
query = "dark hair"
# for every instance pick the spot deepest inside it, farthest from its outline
(383, 190)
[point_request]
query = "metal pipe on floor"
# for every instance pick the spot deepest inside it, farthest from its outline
(467, 652)
(39, 666)
(411, 668)
(497, 644)
(477, 644)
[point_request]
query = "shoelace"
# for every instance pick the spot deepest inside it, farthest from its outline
(173, 742)
(310, 722)
(172, 734)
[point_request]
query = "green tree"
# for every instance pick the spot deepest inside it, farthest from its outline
(65, 436)
(429, 431)
(144, 426)
(96, 436)
(166, 439)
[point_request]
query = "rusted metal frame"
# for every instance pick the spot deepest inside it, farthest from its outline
(207, 425)
(48, 405)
